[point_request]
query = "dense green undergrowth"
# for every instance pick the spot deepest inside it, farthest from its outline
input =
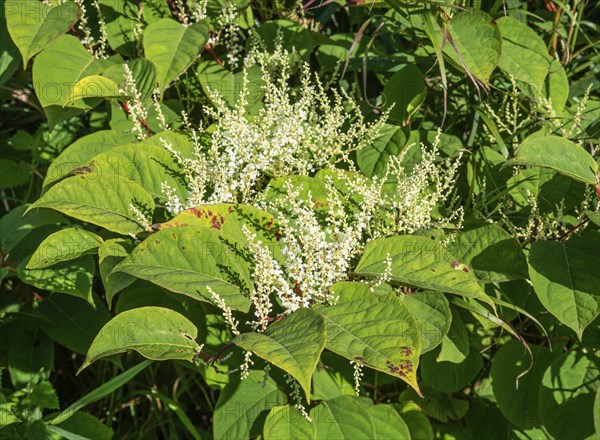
(270, 219)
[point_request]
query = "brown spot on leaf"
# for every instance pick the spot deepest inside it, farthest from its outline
(454, 264)
(406, 351)
(466, 269)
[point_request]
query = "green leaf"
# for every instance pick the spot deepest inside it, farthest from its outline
(387, 423)
(559, 154)
(418, 424)
(188, 259)
(72, 277)
(292, 35)
(14, 173)
(10, 58)
(293, 344)
(94, 86)
(228, 85)
(110, 254)
(492, 253)
(374, 330)
(86, 426)
(53, 80)
(173, 47)
(156, 333)
(373, 158)
(102, 391)
(432, 313)
(342, 418)
(30, 351)
(72, 322)
(516, 380)
(228, 219)
(16, 225)
(148, 165)
(43, 395)
(440, 406)
(421, 262)
(285, 422)
(34, 25)
(524, 54)
(556, 86)
(564, 279)
(406, 91)
(64, 245)
(567, 394)
(477, 43)
(243, 406)
(91, 198)
(143, 73)
(455, 345)
(449, 377)
(82, 151)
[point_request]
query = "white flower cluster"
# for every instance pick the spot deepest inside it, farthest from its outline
(134, 104)
(295, 133)
(416, 195)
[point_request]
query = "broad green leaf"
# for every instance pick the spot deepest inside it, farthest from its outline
(556, 86)
(342, 418)
(10, 58)
(473, 43)
(83, 150)
(594, 217)
(455, 346)
(440, 406)
(524, 53)
(156, 333)
(516, 386)
(292, 35)
(373, 330)
(30, 351)
(387, 423)
(94, 86)
(64, 245)
(449, 377)
(567, 394)
(53, 80)
(110, 254)
(72, 277)
(228, 85)
(432, 313)
(188, 259)
(14, 173)
(421, 262)
(86, 426)
(173, 47)
(566, 279)
(418, 424)
(597, 413)
(293, 344)
(547, 187)
(333, 377)
(16, 224)
(143, 73)
(72, 322)
(286, 423)
(33, 25)
(148, 165)
(91, 198)
(228, 220)
(406, 91)
(243, 406)
(559, 154)
(102, 391)
(373, 158)
(492, 253)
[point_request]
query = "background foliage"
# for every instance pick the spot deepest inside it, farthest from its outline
(130, 242)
